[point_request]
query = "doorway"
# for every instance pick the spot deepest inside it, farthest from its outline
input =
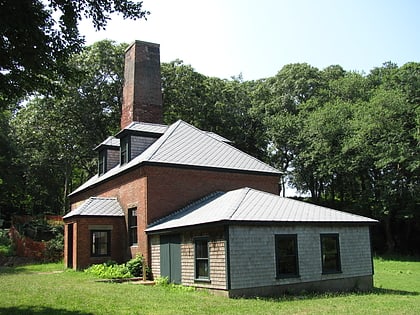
(70, 245)
(170, 257)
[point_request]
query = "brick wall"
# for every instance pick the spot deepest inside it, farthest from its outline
(170, 189)
(82, 227)
(142, 95)
(157, 191)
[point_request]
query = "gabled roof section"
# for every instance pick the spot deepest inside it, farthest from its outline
(158, 129)
(110, 142)
(143, 128)
(250, 205)
(96, 206)
(187, 146)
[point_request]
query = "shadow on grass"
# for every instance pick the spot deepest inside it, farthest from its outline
(392, 292)
(38, 311)
(308, 295)
(395, 257)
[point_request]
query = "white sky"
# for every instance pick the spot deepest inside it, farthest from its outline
(224, 38)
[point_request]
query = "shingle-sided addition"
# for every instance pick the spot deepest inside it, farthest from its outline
(261, 244)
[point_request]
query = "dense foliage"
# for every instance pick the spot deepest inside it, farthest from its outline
(37, 37)
(347, 140)
(112, 270)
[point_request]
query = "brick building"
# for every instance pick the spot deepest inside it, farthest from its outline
(149, 173)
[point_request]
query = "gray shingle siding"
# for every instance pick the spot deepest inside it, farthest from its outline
(252, 254)
(139, 144)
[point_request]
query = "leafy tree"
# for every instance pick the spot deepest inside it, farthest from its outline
(36, 38)
(56, 134)
(212, 104)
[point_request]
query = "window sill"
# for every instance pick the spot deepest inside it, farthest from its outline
(336, 272)
(202, 280)
(283, 277)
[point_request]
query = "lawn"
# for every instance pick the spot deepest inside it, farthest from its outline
(50, 289)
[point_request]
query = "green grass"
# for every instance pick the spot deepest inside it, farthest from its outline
(50, 289)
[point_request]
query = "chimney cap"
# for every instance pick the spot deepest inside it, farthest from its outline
(141, 43)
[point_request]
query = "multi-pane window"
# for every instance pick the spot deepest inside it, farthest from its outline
(132, 225)
(287, 264)
(124, 150)
(102, 162)
(330, 253)
(100, 243)
(202, 259)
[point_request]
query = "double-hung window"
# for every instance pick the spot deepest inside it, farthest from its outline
(132, 225)
(330, 253)
(125, 150)
(100, 243)
(102, 162)
(287, 263)
(202, 270)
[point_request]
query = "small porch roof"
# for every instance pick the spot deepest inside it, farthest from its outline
(98, 206)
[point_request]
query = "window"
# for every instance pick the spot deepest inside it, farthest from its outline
(330, 253)
(102, 162)
(287, 264)
(132, 225)
(100, 243)
(124, 150)
(202, 259)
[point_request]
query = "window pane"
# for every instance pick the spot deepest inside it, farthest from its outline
(286, 255)
(330, 253)
(132, 221)
(202, 269)
(201, 250)
(201, 259)
(100, 243)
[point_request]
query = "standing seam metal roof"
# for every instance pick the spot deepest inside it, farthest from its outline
(184, 144)
(97, 206)
(250, 205)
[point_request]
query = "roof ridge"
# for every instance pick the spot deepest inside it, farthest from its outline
(164, 138)
(243, 193)
(227, 144)
(233, 147)
(190, 205)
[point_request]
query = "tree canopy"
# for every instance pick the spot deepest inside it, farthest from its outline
(346, 140)
(36, 38)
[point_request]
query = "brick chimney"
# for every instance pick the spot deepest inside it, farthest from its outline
(142, 95)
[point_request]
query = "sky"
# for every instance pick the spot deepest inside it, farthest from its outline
(225, 38)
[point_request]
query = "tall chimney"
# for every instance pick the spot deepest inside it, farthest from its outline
(142, 95)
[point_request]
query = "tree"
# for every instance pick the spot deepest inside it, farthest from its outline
(288, 91)
(56, 134)
(212, 104)
(35, 43)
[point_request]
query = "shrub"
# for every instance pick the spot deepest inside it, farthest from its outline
(109, 271)
(6, 248)
(135, 266)
(55, 248)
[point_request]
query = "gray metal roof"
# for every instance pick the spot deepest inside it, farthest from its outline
(110, 142)
(184, 144)
(250, 205)
(147, 127)
(161, 129)
(97, 206)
